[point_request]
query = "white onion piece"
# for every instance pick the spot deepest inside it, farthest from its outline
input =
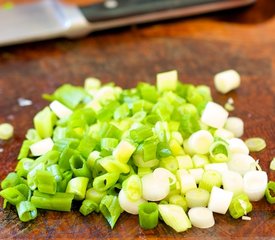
(155, 188)
(201, 217)
(60, 110)
(41, 147)
(237, 145)
(235, 125)
(214, 115)
(227, 80)
(254, 184)
(232, 181)
(220, 200)
(219, 167)
(241, 163)
(200, 141)
(127, 205)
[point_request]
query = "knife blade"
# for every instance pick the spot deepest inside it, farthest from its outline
(49, 19)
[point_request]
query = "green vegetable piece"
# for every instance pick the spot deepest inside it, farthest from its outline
(11, 180)
(179, 200)
(148, 215)
(58, 201)
(12, 195)
(219, 152)
(79, 166)
(110, 209)
(25, 149)
(240, 206)
(140, 134)
(270, 192)
(26, 211)
(24, 166)
(210, 178)
(88, 206)
(44, 122)
(78, 186)
(105, 181)
(45, 182)
(69, 95)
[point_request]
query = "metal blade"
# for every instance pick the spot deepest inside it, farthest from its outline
(39, 21)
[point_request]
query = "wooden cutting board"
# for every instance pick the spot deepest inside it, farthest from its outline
(198, 48)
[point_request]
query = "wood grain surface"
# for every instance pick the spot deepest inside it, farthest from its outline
(198, 47)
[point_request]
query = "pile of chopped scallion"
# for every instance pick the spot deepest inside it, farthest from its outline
(160, 152)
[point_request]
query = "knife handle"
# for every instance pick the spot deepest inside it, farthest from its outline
(101, 12)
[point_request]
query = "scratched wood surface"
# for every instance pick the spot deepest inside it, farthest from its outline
(197, 47)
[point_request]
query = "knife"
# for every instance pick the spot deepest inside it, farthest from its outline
(47, 19)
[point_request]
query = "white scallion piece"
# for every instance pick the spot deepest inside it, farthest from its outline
(187, 181)
(41, 147)
(164, 173)
(154, 187)
(23, 102)
(200, 141)
(227, 80)
(6, 131)
(201, 217)
(241, 163)
(60, 109)
(184, 162)
(235, 125)
(219, 167)
(246, 218)
(175, 217)
(233, 182)
(127, 205)
(237, 145)
(272, 164)
(196, 173)
(214, 115)
(220, 200)
(254, 184)
(223, 133)
(167, 81)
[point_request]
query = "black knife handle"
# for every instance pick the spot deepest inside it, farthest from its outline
(125, 8)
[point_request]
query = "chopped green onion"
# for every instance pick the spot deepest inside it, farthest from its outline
(132, 187)
(45, 182)
(78, 186)
(26, 211)
(88, 206)
(6, 131)
(254, 184)
(197, 197)
(175, 217)
(201, 217)
(255, 144)
(219, 151)
(148, 215)
(235, 125)
(272, 164)
(58, 202)
(179, 200)
(270, 192)
(240, 206)
(127, 204)
(220, 200)
(210, 178)
(11, 180)
(110, 208)
(12, 195)
(105, 181)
